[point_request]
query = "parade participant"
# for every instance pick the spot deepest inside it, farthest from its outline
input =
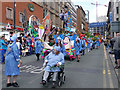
(77, 48)
(60, 35)
(51, 40)
(97, 43)
(3, 47)
(59, 43)
(19, 46)
(88, 44)
(12, 62)
(83, 46)
(52, 61)
(38, 47)
(29, 43)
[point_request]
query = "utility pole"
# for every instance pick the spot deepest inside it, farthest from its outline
(14, 13)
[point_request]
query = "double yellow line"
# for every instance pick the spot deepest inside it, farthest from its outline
(106, 72)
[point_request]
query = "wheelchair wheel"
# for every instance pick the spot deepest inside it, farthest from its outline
(60, 83)
(63, 79)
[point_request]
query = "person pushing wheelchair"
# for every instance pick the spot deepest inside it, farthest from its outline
(52, 63)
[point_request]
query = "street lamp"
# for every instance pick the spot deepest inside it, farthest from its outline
(14, 12)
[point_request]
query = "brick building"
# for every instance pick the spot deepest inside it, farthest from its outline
(81, 19)
(8, 13)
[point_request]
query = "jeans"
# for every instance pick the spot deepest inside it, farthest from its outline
(2, 55)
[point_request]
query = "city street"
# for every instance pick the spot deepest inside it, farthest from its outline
(95, 70)
(36, 36)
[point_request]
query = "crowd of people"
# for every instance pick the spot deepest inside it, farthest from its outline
(11, 51)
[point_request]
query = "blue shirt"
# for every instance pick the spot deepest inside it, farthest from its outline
(3, 46)
(0, 43)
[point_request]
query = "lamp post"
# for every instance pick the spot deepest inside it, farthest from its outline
(14, 13)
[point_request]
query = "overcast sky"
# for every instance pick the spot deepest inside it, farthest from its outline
(86, 4)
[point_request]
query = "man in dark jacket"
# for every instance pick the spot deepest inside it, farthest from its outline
(116, 48)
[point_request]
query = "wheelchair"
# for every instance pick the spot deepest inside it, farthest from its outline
(60, 77)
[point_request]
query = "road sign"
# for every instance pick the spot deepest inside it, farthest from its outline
(8, 26)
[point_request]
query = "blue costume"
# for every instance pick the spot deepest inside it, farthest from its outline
(88, 43)
(83, 44)
(3, 50)
(12, 59)
(77, 48)
(63, 50)
(55, 37)
(38, 47)
(97, 43)
(52, 60)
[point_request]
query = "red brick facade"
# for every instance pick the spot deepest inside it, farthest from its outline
(20, 7)
(78, 19)
(86, 26)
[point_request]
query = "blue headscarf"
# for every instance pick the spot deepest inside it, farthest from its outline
(13, 38)
(57, 48)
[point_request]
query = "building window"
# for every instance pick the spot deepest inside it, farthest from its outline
(9, 13)
(43, 13)
(20, 16)
(117, 10)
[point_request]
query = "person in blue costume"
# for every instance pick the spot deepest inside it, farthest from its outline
(97, 43)
(60, 35)
(83, 45)
(3, 49)
(62, 47)
(12, 62)
(88, 44)
(38, 47)
(52, 62)
(77, 48)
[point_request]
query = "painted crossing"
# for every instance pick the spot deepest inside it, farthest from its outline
(31, 69)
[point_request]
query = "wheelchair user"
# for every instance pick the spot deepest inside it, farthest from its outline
(52, 61)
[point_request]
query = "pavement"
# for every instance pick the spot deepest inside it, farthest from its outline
(95, 70)
(112, 59)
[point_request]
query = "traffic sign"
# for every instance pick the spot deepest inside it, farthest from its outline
(8, 26)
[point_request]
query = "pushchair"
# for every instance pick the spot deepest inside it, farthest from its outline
(60, 77)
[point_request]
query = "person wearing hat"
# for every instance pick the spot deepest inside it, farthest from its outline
(12, 62)
(38, 47)
(97, 43)
(62, 47)
(88, 44)
(52, 61)
(77, 48)
(83, 45)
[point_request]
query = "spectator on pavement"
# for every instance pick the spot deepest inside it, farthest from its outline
(3, 47)
(12, 61)
(116, 48)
